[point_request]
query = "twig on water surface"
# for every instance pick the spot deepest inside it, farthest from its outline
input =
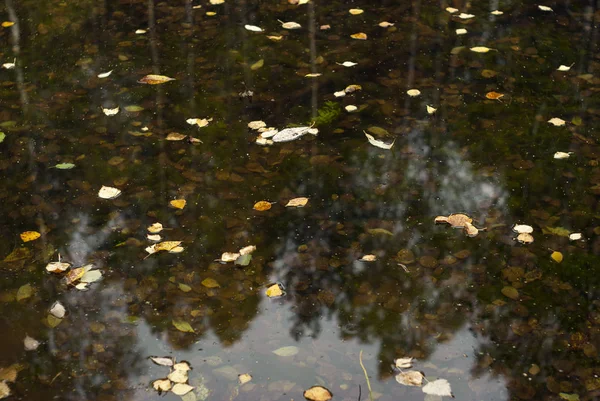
(359, 392)
(366, 375)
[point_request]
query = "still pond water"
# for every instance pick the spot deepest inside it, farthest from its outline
(497, 318)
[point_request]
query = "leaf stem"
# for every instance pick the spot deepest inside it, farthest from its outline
(366, 375)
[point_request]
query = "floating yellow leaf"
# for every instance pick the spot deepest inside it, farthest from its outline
(166, 245)
(557, 256)
(431, 109)
(210, 283)
(253, 28)
(510, 292)
(368, 258)
(229, 256)
(153, 79)
(493, 95)
(297, 202)
(356, 11)
(275, 38)
(290, 25)
(461, 31)
(181, 389)
(7, 24)
(75, 275)
(359, 36)
(562, 155)
(262, 206)
(178, 376)
(178, 203)
(313, 75)
(557, 122)
(211, 13)
(410, 378)
(525, 238)
(29, 236)
(175, 136)
(480, 49)
(244, 378)
(385, 24)
(215, 2)
(522, 228)
(413, 92)
(108, 192)
(24, 292)
(155, 228)
(318, 393)
(257, 65)
(161, 385)
(247, 250)
(183, 326)
(110, 112)
(352, 88)
(274, 291)
(351, 108)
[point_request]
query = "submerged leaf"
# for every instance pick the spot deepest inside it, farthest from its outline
(183, 326)
(439, 387)
(58, 310)
(290, 350)
(210, 282)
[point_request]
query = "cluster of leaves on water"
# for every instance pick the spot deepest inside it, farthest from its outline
(492, 116)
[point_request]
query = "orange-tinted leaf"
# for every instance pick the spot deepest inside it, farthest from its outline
(178, 203)
(30, 236)
(359, 36)
(493, 95)
(262, 206)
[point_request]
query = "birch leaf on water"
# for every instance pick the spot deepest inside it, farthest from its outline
(359, 36)
(465, 16)
(108, 192)
(274, 291)
(347, 64)
(58, 310)
(557, 122)
(461, 31)
(480, 49)
(297, 202)
(562, 155)
(290, 134)
(318, 393)
(105, 74)
(153, 79)
(385, 24)
(110, 112)
(290, 350)
(439, 387)
(253, 28)
(378, 143)
(178, 203)
(563, 67)
(27, 236)
(162, 360)
(413, 92)
(545, 8)
(356, 11)
(183, 326)
(262, 206)
(290, 25)
(431, 109)
(410, 378)
(181, 389)
(351, 108)
(452, 10)
(404, 363)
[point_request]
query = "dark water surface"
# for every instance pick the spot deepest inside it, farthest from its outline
(497, 319)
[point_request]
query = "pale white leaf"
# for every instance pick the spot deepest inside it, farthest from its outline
(557, 122)
(30, 343)
(154, 237)
(290, 25)
(562, 155)
(563, 67)
(247, 250)
(465, 16)
(410, 378)
(545, 8)
(105, 74)
(253, 28)
(178, 376)
(9, 66)
(229, 256)
(575, 236)
(404, 363)
(339, 94)
(91, 276)
(161, 385)
(351, 108)
(244, 378)
(378, 143)
(140, 31)
(431, 109)
(522, 228)
(461, 31)
(58, 310)
(256, 125)
(452, 10)
(385, 24)
(347, 64)
(108, 192)
(497, 12)
(57, 267)
(439, 387)
(269, 133)
(290, 350)
(413, 92)
(290, 134)
(480, 49)
(181, 389)
(263, 141)
(110, 112)
(82, 286)
(162, 360)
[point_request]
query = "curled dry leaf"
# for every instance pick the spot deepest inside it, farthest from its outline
(162, 360)
(163, 246)
(153, 79)
(108, 192)
(262, 206)
(75, 275)
(244, 378)
(410, 378)
(57, 267)
(58, 310)
(562, 155)
(368, 258)
(522, 228)
(378, 143)
(525, 238)
(30, 343)
(229, 257)
(178, 203)
(318, 393)
(247, 250)
(110, 112)
(4, 390)
(162, 385)
(404, 363)
(181, 389)
(493, 95)
(297, 202)
(359, 36)
(274, 291)
(27, 236)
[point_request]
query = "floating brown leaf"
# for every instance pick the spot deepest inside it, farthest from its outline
(318, 393)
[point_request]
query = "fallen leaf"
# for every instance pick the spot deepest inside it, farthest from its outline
(385, 24)
(557, 256)
(297, 202)
(74, 275)
(4, 389)
(404, 363)
(359, 36)
(493, 95)
(153, 79)
(378, 143)
(318, 393)
(452, 10)
(461, 31)
(352, 88)
(410, 378)
(211, 282)
(525, 238)
(290, 134)
(290, 350)
(247, 250)
(545, 8)
(496, 12)
(275, 38)
(211, 13)
(522, 228)
(244, 378)
(575, 236)
(229, 257)
(58, 310)
(339, 94)
(155, 228)
(140, 31)
(563, 67)
(562, 155)
(7, 24)
(262, 206)
(29, 236)
(178, 203)
(413, 92)
(183, 365)
(24, 292)
(430, 109)
(470, 230)
(105, 74)
(313, 75)
(259, 64)
(351, 108)
(181, 389)
(439, 387)
(162, 360)
(290, 25)
(64, 166)
(510, 292)
(253, 28)
(569, 397)
(380, 231)
(163, 246)
(183, 326)
(10, 373)
(557, 122)
(9, 66)
(274, 291)
(91, 276)
(161, 385)
(108, 192)
(465, 16)
(356, 11)
(31, 344)
(480, 49)
(2, 136)
(110, 112)
(368, 258)
(178, 376)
